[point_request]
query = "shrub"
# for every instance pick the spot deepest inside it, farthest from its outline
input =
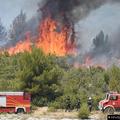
(37, 101)
(96, 100)
(84, 112)
(59, 103)
(52, 109)
(55, 105)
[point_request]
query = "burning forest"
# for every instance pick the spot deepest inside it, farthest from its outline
(54, 32)
(55, 36)
(59, 50)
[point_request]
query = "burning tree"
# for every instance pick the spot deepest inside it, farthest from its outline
(56, 33)
(55, 41)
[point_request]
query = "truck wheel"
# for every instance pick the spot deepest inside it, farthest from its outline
(20, 110)
(109, 110)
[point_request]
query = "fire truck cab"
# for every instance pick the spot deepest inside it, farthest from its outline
(14, 102)
(111, 103)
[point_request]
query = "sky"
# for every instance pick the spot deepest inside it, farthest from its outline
(9, 9)
(106, 18)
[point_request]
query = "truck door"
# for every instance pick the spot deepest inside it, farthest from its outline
(114, 100)
(2, 101)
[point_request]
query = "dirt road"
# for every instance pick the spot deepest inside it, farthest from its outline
(43, 114)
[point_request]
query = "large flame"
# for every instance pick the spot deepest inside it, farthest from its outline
(55, 40)
(52, 40)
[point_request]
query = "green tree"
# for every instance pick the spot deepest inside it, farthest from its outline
(114, 75)
(8, 70)
(40, 75)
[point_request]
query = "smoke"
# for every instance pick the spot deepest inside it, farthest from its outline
(104, 46)
(69, 10)
(115, 44)
(101, 47)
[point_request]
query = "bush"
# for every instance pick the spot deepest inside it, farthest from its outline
(84, 112)
(52, 109)
(39, 101)
(59, 103)
(96, 100)
(55, 105)
(33, 107)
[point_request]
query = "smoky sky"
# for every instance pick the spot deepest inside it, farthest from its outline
(9, 9)
(106, 18)
(89, 16)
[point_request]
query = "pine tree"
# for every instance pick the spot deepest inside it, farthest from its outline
(18, 27)
(3, 32)
(101, 44)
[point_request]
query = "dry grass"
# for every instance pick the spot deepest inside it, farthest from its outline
(58, 114)
(43, 114)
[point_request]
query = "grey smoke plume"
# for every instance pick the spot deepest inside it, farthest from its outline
(104, 49)
(69, 10)
(115, 44)
(74, 10)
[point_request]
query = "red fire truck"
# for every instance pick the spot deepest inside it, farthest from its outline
(14, 102)
(111, 103)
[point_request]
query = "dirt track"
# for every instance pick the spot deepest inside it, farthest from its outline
(43, 114)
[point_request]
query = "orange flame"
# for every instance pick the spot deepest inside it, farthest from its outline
(49, 40)
(53, 41)
(21, 46)
(88, 61)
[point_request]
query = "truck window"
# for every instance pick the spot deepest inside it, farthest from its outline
(113, 97)
(26, 96)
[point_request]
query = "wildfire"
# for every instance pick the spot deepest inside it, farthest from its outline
(51, 39)
(21, 46)
(88, 61)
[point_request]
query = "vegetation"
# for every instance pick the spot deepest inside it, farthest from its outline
(84, 112)
(50, 79)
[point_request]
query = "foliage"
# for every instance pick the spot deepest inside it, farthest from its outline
(84, 112)
(40, 75)
(9, 67)
(52, 109)
(55, 105)
(50, 79)
(82, 83)
(114, 78)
